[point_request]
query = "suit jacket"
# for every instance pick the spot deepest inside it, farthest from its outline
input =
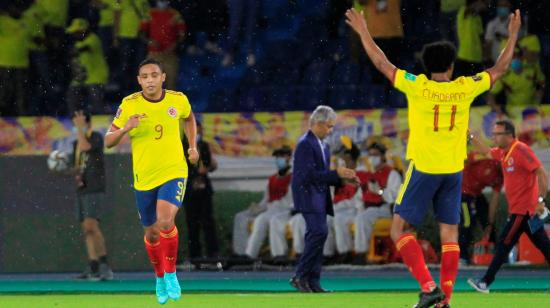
(311, 177)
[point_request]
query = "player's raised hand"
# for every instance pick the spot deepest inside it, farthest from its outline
(514, 23)
(356, 20)
(133, 122)
(193, 155)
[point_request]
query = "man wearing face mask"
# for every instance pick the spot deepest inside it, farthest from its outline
(497, 29)
(199, 210)
(522, 86)
(380, 187)
(277, 200)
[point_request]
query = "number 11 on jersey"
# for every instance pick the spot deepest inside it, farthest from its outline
(436, 117)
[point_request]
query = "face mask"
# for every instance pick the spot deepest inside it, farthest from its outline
(515, 64)
(374, 161)
(281, 163)
(162, 4)
(503, 11)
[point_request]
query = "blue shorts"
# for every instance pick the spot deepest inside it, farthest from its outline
(420, 190)
(172, 191)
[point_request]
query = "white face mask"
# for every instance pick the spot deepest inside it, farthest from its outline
(375, 161)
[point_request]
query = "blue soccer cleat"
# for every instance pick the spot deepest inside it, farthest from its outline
(162, 295)
(172, 286)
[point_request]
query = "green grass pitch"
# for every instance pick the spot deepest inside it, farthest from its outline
(338, 300)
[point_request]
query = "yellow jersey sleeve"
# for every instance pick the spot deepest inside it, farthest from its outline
(185, 107)
(122, 114)
(478, 83)
(405, 82)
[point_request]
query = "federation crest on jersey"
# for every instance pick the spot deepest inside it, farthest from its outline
(172, 112)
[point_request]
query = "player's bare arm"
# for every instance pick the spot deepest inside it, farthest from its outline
(505, 58)
(479, 145)
(357, 22)
(115, 134)
(190, 127)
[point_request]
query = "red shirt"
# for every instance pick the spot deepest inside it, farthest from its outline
(480, 174)
(381, 177)
(164, 28)
(344, 192)
(518, 166)
(278, 186)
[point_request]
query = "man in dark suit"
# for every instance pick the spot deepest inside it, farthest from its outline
(310, 186)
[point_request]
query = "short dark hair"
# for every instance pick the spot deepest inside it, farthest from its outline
(151, 61)
(354, 152)
(438, 57)
(508, 127)
(87, 116)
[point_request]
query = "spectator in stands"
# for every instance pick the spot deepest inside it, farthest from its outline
(165, 31)
(385, 25)
(479, 173)
(347, 200)
(522, 85)
(199, 208)
(447, 19)
(14, 62)
(380, 187)
(105, 29)
(496, 32)
(241, 12)
(128, 17)
(57, 18)
(470, 31)
(89, 68)
(277, 199)
(89, 169)
(193, 12)
(40, 81)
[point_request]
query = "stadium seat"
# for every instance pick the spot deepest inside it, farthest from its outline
(281, 98)
(372, 96)
(380, 230)
(310, 97)
(346, 73)
(343, 97)
(396, 99)
(317, 73)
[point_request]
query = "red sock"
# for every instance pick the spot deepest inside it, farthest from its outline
(414, 259)
(169, 244)
(450, 254)
(155, 256)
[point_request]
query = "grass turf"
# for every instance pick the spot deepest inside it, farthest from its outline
(363, 299)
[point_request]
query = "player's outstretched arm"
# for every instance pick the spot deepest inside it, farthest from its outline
(190, 127)
(505, 58)
(357, 22)
(479, 145)
(115, 134)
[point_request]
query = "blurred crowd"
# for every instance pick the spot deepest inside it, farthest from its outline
(57, 56)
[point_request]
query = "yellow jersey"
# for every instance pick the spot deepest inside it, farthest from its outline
(157, 150)
(438, 115)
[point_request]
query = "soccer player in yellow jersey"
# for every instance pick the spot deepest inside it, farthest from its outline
(152, 119)
(438, 123)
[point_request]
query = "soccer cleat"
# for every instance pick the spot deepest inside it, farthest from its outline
(172, 286)
(105, 272)
(479, 285)
(429, 299)
(89, 276)
(162, 296)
